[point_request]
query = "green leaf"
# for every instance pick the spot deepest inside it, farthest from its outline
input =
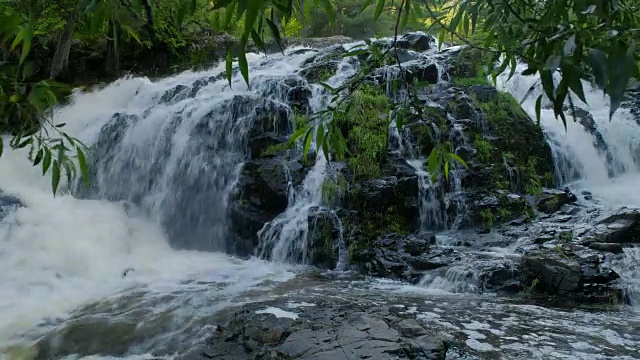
(572, 75)
(597, 60)
(242, 62)
(1, 145)
(328, 87)
(366, 4)
(229, 65)
(275, 32)
(253, 9)
(569, 45)
(379, 9)
(433, 160)
(446, 170)
(257, 40)
(46, 163)
(538, 108)
(296, 135)
(328, 8)
(307, 143)
(457, 158)
(55, 177)
(547, 83)
(38, 157)
(84, 169)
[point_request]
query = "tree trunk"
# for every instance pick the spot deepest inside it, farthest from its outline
(113, 51)
(60, 61)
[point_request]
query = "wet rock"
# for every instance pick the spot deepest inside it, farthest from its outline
(606, 247)
(333, 329)
(261, 193)
(620, 227)
(397, 257)
(8, 204)
(554, 274)
(551, 200)
(271, 117)
(484, 93)
(324, 236)
(258, 144)
(416, 41)
(563, 275)
(317, 72)
(423, 72)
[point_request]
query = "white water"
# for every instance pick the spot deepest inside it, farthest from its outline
(60, 253)
(286, 237)
(621, 134)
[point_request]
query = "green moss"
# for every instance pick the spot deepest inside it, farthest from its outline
(504, 213)
(465, 82)
(363, 120)
(275, 149)
(487, 218)
(300, 120)
(484, 149)
(333, 190)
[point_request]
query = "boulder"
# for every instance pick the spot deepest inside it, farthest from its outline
(325, 234)
(397, 257)
(419, 42)
(551, 200)
(8, 204)
(620, 227)
(260, 194)
(561, 274)
(258, 144)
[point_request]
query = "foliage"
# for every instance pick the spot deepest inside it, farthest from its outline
(571, 40)
(364, 118)
(565, 40)
(333, 190)
(484, 148)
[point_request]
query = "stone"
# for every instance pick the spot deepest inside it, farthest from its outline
(555, 274)
(258, 144)
(8, 204)
(410, 328)
(621, 227)
(551, 200)
(606, 247)
(419, 42)
(569, 276)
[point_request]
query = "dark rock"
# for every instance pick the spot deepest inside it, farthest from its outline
(621, 227)
(8, 204)
(272, 117)
(607, 247)
(551, 200)
(562, 275)
(324, 236)
(397, 257)
(316, 72)
(422, 72)
(555, 275)
(261, 193)
(483, 93)
(416, 41)
(258, 144)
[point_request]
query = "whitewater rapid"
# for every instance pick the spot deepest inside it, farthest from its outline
(621, 134)
(59, 253)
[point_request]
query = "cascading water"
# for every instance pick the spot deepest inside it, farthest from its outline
(285, 239)
(167, 153)
(612, 175)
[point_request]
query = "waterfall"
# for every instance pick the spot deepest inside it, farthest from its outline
(612, 176)
(166, 156)
(286, 238)
(580, 161)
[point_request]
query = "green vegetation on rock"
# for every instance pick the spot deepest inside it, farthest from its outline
(364, 120)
